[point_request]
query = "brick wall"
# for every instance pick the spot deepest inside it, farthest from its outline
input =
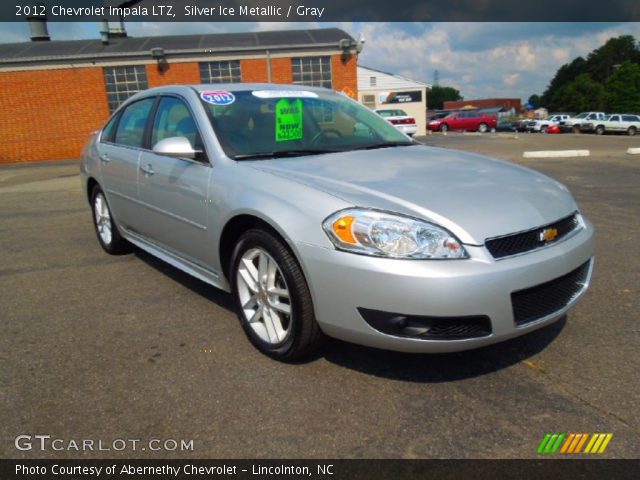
(49, 114)
(345, 74)
(176, 73)
(254, 70)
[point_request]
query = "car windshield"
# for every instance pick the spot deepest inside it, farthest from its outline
(582, 115)
(392, 113)
(255, 124)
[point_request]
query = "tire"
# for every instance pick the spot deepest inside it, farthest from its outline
(444, 128)
(631, 131)
(106, 229)
(276, 333)
(543, 129)
(575, 129)
(599, 130)
(482, 128)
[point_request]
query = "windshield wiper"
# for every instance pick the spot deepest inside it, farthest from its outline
(371, 146)
(283, 154)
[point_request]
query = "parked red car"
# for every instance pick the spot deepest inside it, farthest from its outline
(463, 121)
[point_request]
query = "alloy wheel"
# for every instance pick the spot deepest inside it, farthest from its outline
(264, 296)
(103, 218)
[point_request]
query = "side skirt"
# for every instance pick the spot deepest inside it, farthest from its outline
(208, 276)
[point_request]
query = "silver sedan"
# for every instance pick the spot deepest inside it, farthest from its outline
(323, 220)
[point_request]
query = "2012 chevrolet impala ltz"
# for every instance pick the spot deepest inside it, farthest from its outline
(324, 220)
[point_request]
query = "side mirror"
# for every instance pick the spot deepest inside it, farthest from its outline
(178, 147)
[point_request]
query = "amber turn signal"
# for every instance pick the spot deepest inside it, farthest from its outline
(342, 229)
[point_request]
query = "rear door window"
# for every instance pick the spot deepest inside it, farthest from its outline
(132, 123)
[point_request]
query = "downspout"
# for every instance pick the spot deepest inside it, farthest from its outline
(268, 66)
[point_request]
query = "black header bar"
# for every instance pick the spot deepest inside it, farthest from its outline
(322, 10)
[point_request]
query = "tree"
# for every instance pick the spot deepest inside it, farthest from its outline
(569, 90)
(534, 101)
(622, 89)
(565, 75)
(437, 95)
(602, 62)
(584, 93)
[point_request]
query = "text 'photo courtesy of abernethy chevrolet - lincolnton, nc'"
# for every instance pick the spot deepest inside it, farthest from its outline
(324, 220)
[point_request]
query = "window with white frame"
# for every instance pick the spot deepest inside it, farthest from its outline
(312, 71)
(122, 82)
(225, 71)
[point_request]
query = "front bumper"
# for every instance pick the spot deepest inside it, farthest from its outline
(345, 284)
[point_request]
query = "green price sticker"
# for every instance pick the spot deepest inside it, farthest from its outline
(288, 120)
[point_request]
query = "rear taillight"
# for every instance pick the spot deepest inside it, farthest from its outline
(403, 121)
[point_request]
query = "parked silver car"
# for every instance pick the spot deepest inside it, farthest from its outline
(323, 220)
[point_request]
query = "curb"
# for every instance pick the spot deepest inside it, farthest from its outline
(556, 153)
(633, 151)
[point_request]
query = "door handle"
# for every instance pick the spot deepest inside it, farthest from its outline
(148, 169)
(104, 158)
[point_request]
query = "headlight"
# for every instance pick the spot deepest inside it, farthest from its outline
(382, 234)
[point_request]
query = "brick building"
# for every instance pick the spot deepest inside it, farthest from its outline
(54, 93)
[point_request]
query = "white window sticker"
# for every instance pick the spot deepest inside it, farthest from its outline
(284, 94)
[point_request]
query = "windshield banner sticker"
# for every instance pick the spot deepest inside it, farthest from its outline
(218, 97)
(284, 94)
(288, 120)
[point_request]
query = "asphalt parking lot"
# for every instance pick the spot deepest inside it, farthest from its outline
(100, 347)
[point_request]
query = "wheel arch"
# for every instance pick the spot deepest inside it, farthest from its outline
(239, 224)
(91, 184)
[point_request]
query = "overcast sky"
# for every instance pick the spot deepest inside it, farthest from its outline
(480, 59)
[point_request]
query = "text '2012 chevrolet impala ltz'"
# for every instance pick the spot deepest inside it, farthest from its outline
(322, 219)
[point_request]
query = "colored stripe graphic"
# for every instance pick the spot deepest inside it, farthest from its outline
(573, 443)
(581, 443)
(543, 443)
(567, 442)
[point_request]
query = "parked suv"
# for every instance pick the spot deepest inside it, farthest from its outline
(616, 123)
(574, 124)
(464, 121)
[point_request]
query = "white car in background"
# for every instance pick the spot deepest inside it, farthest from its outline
(544, 123)
(399, 119)
(618, 123)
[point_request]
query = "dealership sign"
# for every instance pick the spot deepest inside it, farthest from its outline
(400, 97)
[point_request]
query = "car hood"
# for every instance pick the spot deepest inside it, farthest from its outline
(475, 197)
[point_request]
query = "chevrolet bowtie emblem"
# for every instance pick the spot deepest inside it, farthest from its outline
(548, 235)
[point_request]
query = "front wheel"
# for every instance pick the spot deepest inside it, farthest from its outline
(482, 128)
(631, 131)
(106, 229)
(272, 298)
(599, 130)
(444, 127)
